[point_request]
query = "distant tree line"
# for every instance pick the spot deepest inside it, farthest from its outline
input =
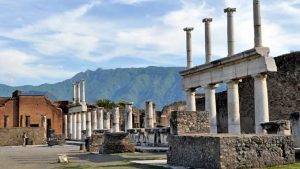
(109, 104)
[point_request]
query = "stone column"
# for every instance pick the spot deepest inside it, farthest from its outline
(128, 116)
(94, 119)
(83, 90)
(83, 120)
(207, 22)
(70, 126)
(44, 125)
(66, 125)
(74, 133)
(257, 23)
(233, 107)
(78, 92)
(210, 106)
(106, 124)
(88, 124)
(116, 120)
(78, 134)
(191, 100)
(230, 30)
(261, 102)
(149, 115)
(100, 118)
(154, 114)
(189, 46)
(74, 93)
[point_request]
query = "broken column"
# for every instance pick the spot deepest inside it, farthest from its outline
(257, 24)
(78, 134)
(233, 104)
(106, 124)
(94, 119)
(100, 118)
(66, 125)
(149, 115)
(116, 120)
(230, 30)
(88, 124)
(261, 102)
(207, 22)
(128, 116)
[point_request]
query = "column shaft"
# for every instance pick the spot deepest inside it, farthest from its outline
(88, 124)
(149, 115)
(94, 119)
(207, 39)
(78, 134)
(257, 23)
(100, 118)
(66, 125)
(261, 102)
(70, 126)
(191, 100)
(210, 106)
(128, 116)
(230, 30)
(189, 46)
(83, 90)
(106, 117)
(74, 93)
(74, 133)
(78, 92)
(116, 120)
(83, 120)
(233, 107)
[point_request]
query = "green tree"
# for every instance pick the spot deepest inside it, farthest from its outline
(122, 104)
(106, 103)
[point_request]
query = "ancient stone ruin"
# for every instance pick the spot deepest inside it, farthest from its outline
(194, 141)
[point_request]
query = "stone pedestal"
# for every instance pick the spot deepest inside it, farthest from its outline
(116, 143)
(233, 103)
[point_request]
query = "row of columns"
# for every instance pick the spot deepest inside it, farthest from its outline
(79, 92)
(260, 84)
(96, 119)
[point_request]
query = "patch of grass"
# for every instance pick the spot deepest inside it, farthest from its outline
(121, 165)
(291, 166)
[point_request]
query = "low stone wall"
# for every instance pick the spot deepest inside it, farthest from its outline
(230, 151)
(14, 136)
(188, 122)
(116, 143)
(56, 139)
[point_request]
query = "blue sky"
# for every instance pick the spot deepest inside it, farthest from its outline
(44, 41)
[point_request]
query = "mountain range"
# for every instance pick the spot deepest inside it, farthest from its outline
(162, 85)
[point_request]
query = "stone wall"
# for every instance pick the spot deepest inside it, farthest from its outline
(230, 151)
(116, 143)
(14, 136)
(183, 122)
(95, 142)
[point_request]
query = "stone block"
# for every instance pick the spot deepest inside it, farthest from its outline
(95, 142)
(214, 151)
(116, 143)
(184, 122)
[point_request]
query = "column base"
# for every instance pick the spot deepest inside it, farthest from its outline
(213, 129)
(234, 129)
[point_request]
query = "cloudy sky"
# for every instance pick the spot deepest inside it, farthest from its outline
(47, 41)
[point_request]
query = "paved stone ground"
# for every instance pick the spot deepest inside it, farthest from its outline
(44, 157)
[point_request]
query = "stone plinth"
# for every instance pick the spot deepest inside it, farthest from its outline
(116, 143)
(95, 142)
(188, 122)
(230, 151)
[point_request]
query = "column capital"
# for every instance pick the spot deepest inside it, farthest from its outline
(190, 90)
(207, 20)
(129, 103)
(233, 81)
(260, 76)
(211, 86)
(188, 29)
(229, 10)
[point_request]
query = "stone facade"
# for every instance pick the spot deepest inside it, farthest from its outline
(116, 143)
(230, 151)
(14, 136)
(188, 122)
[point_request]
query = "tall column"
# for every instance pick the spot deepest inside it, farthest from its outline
(74, 93)
(191, 100)
(78, 92)
(94, 119)
(83, 120)
(261, 102)
(128, 116)
(78, 134)
(88, 124)
(149, 115)
(100, 118)
(257, 24)
(154, 114)
(83, 90)
(210, 106)
(230, 30)
(74, 133)
(44, 124)
(207, 22)
(70, 126)
(106, 124)
(189, 46)
(116, 120)
(66, 125)
(233, 107)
